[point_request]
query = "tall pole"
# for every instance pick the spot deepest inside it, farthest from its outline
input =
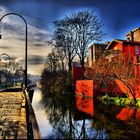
(26, 39)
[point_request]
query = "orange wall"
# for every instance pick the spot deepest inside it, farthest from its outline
(129, 52)
(134, 87)
(85, 105)
(127, 114)
(119, 88)
(126, 48)
(85, 87)
(117, 45)
(82, 103)
(130, 49)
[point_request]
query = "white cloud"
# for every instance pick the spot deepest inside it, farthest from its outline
(13, 37)
(3, 10)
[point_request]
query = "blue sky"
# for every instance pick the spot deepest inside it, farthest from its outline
(118, 16)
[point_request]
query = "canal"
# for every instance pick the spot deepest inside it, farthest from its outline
(69, 117)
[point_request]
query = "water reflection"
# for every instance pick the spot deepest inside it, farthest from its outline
(66, 117)
(85, 105)
(129, 114)
(41, 114)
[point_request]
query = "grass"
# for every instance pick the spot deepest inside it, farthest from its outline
(120, 101)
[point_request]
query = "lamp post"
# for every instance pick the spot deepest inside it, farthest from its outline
(25, 41)
(4, 54)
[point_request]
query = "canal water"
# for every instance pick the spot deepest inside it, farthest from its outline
(69, 117)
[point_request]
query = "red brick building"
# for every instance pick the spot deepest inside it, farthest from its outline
(130, 49)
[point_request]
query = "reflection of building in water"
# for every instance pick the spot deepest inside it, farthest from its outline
(83, 119)
(132, 115)
(128, 114)
(84, 88)
(85, 105)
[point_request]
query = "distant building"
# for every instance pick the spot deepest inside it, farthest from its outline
(2, 77)
(134, 35)
(94, 52)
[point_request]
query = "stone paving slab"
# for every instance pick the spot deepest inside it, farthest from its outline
(12, 116)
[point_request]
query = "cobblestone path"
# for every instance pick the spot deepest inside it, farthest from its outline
(12, 116)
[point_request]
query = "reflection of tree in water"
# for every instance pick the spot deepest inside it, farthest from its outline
(57, 109)
(61, 112)
(70, 123)
(60, 109)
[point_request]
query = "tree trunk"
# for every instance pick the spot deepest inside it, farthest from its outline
(83, 67)
(130, 89)
(63, 67)
(69, 67)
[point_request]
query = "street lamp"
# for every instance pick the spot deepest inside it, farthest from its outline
(4, 54)
(25, 41)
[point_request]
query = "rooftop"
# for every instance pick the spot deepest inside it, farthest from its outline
(138, 28)
(123, 41)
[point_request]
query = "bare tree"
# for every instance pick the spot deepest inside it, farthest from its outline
(88, 29)
(64, 36)
(59, 52)
(61, 57)
(52, 62)
(120, 68)
(76, 32)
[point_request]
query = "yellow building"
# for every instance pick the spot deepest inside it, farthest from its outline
(134, 35)
(94, 52)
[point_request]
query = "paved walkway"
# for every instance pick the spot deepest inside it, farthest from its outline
(12, 116)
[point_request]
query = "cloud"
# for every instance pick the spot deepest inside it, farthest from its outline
(36, 59)
(3, 10)
(4, 47)
(13, 33)
(13, 41)
(14, 26)
(38, 44)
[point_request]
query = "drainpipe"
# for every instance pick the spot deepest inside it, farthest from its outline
(132, 37)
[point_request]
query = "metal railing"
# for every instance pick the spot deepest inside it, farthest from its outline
(33, 131)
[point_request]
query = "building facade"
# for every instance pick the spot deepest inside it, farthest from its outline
(94, 52)
(134, 35)
(130, 50)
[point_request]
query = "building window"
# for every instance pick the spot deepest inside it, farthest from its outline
(138, 58)
(137, 50)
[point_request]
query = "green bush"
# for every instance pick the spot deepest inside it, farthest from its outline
(119, 101)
